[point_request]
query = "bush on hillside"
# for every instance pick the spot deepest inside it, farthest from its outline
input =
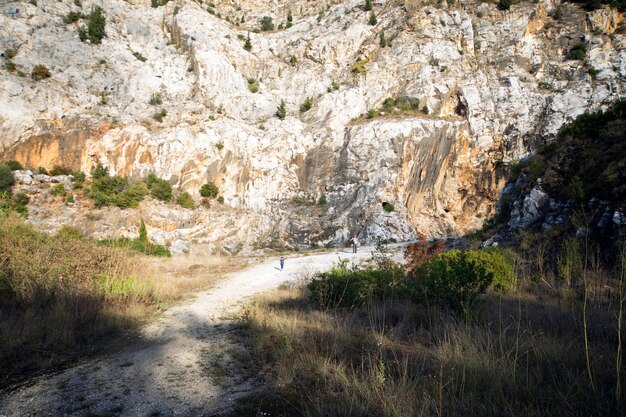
(266, 23)
(185, 200)
(7, 179)
(159, 188)
(281, 112)
(13, 165)
(60, 170)
(58, 189)
(116, 191)
(343, 287)
(95, 25)
(209, 190)
(17, 203)
(40, 72)
(306, 105)
(458, 277)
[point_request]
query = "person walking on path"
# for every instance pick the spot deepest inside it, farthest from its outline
(282, 263)
(355, 243)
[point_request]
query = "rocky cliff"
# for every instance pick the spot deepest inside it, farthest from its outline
(476, 85)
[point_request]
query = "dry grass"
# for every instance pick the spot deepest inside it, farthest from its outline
(523, 354)
(64, 296)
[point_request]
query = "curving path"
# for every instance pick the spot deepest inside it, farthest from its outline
(171, 371)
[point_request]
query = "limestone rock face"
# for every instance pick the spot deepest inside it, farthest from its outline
(488, 83)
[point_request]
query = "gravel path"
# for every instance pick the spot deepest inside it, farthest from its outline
(169, 372)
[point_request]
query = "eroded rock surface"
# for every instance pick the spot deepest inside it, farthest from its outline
(490, 81)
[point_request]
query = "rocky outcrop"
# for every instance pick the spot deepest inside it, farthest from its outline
(488, 83)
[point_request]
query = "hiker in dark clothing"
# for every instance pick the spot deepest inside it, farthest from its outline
(282, 263)
(355, 243)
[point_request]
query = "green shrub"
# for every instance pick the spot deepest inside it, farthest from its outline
(71, 17)
(388, 207)
(83, 34)
(500, 263)
(281, 112)
(372, 20)
(368, 5)
(141, 244)
(342, 287)
(578, 51)
(289, 20)
(334, 86)
(156, 99)
(139, 56)
(42, 171)
(505, 4)
(20, 201)
(7, 179)
(322, 200)
(266, 23)
(383, 40)
(455, 278)
(253, 85)
(160, 115)
(95, 25)
(558, 13)
(58, 189)
(220, 200)
(13, 165)
(359, 66)
(79, 179)
(9, 204)
(9, 53)
(209, 190)
(247, 45)
(185, 200)
(117, 191)
(69, 199)
(306, 106)
(293, 61)
(10, 66)
(159, 188)
(100, 171)
(219, 146)
(60, 170)
(40, 72)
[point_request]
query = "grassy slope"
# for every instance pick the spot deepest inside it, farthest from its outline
(63, 296)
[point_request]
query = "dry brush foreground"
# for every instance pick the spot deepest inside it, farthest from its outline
(63, 297)
(538, 350)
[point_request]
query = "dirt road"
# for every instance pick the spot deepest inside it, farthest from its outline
(171, 371)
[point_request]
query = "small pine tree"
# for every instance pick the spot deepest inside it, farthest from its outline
(247, 45)
(368, 5)
(306, 106)
(383, 40)
(95, 25)
(281, 112)
(373, 21)
(143, 232)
